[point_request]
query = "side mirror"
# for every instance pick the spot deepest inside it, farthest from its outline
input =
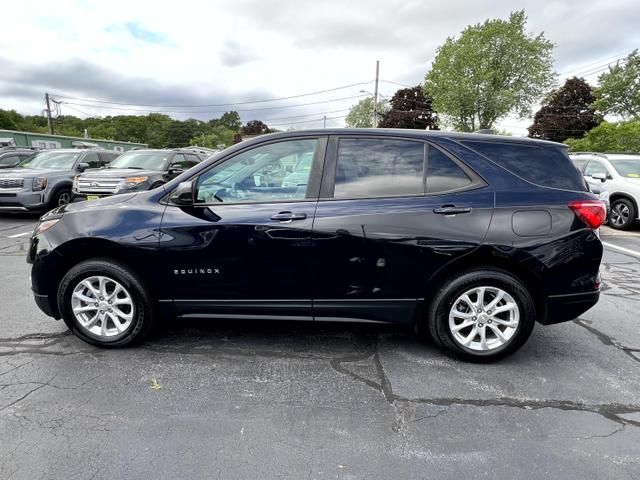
(600, 176)
(83, 166)
(183, 194)
(175, 170)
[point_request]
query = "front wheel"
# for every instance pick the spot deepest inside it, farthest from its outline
(59, 198)
(622, 214)
(105, 304)
(481, 316)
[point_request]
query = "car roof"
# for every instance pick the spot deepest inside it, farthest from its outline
(420, 134)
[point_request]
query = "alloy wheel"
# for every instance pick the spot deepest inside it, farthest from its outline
(619, 215)
(64, 198)
(484, 318)
(102, 306)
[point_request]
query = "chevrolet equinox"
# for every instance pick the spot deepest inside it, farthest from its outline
(471, 238)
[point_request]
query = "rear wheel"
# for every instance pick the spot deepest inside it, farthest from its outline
(481, 316)
(105, 304)
(622, 214)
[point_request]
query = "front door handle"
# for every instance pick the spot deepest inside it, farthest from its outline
(288, 216)
(451, 210)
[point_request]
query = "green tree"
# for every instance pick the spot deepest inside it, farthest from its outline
(411, 108)
(8, 119)
(361, 114)
(231, 120)
(492, 69)
(179, 134)
(219, 135)
(619, 90)
(609, 137)
(567, 112)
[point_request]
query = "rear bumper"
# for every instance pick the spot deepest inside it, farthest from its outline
(564, 308)
(44, 304)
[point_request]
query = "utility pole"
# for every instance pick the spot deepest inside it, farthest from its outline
(375, 96)
(49, 124)
(324, 122)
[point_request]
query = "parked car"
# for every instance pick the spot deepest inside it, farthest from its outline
(43, 181)
(10, 157)
(135, 171)
(471, 238)
(600, 191)
(620, 174)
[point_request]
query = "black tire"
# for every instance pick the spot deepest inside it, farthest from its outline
(59, 198)
(437, 319)
(143, 311)
(619, 208)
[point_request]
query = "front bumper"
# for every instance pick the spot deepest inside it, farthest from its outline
(564, 308)
(21, 200)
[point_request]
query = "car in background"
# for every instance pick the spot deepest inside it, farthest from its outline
(44, 180)
(620, 175)
(10, 157)
(135, 171)
(469, 238)
(602, 193)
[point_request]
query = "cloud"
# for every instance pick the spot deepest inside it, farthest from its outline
(234, 54)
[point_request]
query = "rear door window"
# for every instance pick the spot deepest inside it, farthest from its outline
(443, 174)
(544, 166)
(375, 167)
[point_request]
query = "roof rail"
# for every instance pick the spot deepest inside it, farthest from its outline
(196, 149)
(85, 145)
(597, 154)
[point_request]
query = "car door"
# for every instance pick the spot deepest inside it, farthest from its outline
(392, 212)
(244, 247)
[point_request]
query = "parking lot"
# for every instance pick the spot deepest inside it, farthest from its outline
(248, 400)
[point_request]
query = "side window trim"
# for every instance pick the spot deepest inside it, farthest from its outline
(329, 174)
(314, 176)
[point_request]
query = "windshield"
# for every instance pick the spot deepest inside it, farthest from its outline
(51, 159)
(629, 168)
(142, 160)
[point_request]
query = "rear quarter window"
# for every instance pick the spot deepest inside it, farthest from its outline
(545, 166)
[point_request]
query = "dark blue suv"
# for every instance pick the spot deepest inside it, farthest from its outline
(471, 238)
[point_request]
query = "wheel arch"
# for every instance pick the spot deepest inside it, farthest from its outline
(71, 253)
(490, 259)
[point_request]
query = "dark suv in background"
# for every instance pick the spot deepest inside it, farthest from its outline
(135, 171)
(471, 238)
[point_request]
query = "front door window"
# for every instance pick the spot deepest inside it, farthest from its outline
(268, 173)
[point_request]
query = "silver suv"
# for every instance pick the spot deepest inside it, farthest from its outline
(620, 174)
(44, 180)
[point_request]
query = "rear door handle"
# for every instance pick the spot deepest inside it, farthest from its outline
(451, 210)
(288, 216)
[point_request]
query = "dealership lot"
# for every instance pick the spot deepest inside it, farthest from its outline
(291, 400)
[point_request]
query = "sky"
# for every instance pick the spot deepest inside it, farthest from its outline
(200, 58)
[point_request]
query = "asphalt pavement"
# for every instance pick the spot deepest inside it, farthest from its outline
(239, 399)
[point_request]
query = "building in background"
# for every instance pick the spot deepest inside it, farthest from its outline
(44, 140)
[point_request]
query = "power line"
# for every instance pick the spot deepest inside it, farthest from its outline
(279, 107)
(597, 62)
(246, 102)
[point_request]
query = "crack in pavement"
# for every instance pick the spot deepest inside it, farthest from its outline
(610, 411)
(607, 340)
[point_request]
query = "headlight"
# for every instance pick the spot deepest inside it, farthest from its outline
(132, 182)
(46, 225)
(39, 183)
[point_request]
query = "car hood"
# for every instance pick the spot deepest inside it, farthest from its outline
(94, 204)
(119, 173)
(634, 181)
(33, 172)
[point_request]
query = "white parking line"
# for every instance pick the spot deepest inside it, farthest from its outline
(19, 235)
(622, 249)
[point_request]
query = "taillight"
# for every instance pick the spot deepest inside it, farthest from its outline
(591, 212)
